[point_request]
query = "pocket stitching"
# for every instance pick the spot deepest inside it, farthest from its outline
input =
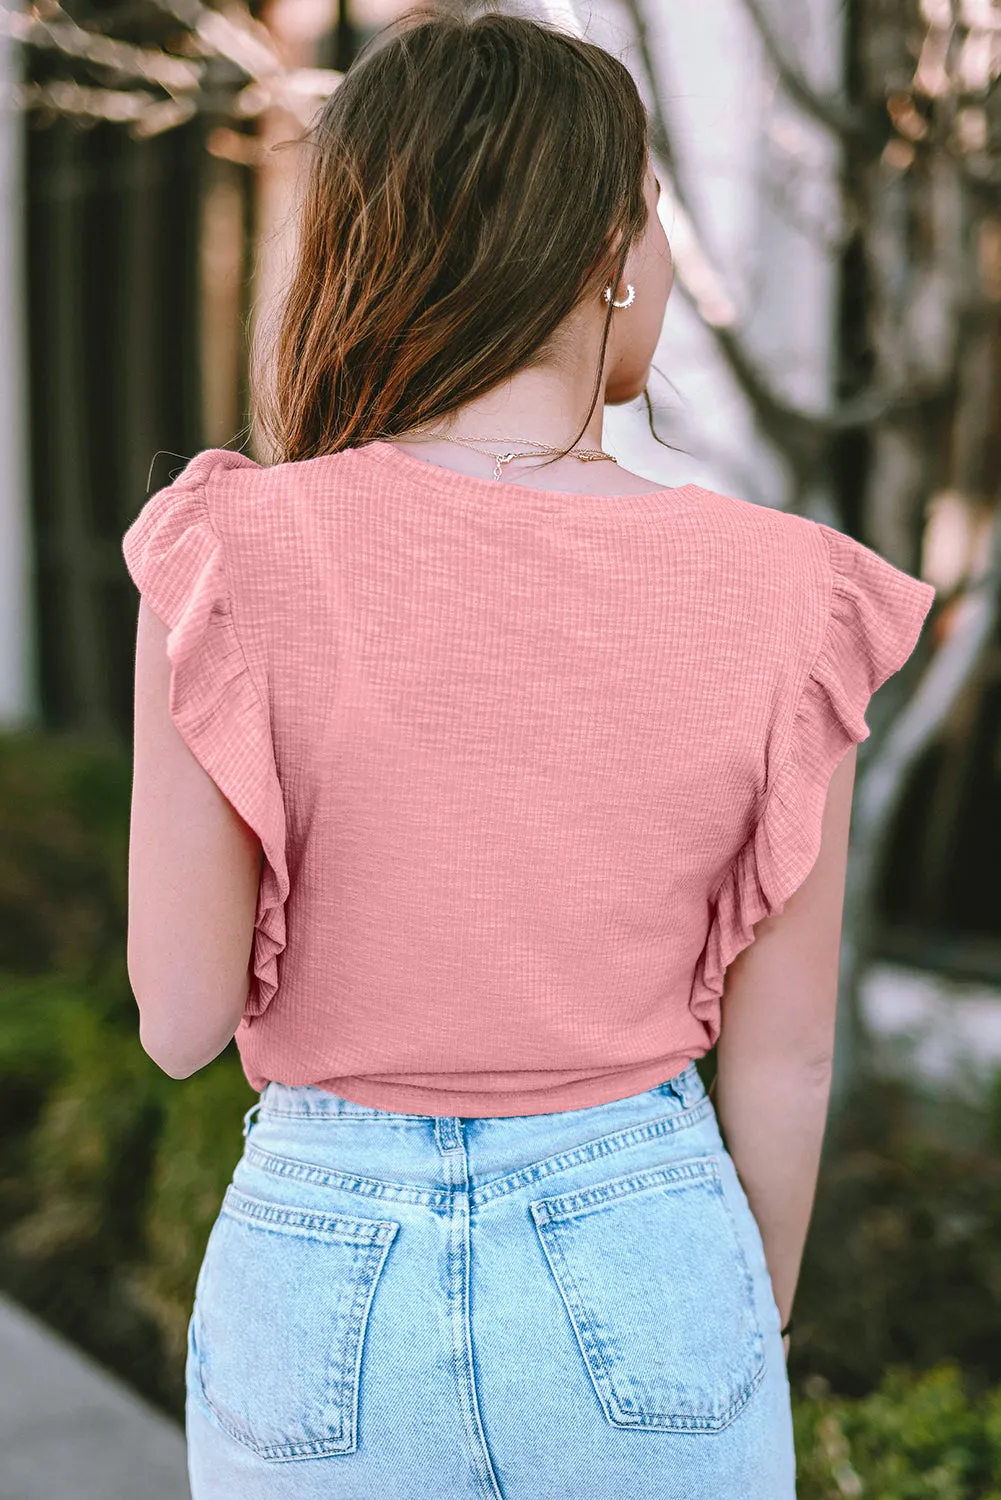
(701, 1171)
(681, 1174)
(370, 1266)
(260, 1213)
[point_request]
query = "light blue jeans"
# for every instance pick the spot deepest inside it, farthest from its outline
(412, 1307)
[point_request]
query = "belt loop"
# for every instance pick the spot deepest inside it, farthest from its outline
(448, 1132)
(246, 1118)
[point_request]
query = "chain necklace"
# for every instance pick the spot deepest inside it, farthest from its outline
(585, 455)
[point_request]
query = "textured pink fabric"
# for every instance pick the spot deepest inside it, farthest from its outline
(527, 767)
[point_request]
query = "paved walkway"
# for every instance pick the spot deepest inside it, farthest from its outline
(69, 1430)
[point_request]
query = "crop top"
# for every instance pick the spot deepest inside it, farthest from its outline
(526, 766)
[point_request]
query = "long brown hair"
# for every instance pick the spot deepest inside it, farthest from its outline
(472, 180)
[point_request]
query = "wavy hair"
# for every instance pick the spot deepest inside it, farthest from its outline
(471, 180)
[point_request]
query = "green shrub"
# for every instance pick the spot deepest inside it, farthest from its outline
(915, 1438)
(87, 1157)
(903, 1260)
(110, 1176)
(199, 1144)
(64, 825)
(34, 1016)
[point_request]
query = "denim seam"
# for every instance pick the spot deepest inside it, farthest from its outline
(279, 1166)
(604, 1146)
(439, 1201)
(584, 1201)
(327, 1117)
(282, 1218)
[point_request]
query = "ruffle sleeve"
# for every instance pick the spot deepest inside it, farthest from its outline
(875, 613)
(177, 562)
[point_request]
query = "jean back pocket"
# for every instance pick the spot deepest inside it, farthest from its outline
(277, 1331)
(654, 1278)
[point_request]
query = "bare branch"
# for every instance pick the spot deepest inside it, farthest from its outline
(660, 140)
(695, 272)
(829, 110)
(144, 113)
(235, 37)
(143, 64)
(781, 193)
(798, 435)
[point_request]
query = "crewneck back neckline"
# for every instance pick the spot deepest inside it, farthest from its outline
(505, 497)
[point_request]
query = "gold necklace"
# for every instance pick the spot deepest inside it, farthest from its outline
(585, 455)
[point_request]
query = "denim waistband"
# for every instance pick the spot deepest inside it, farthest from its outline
(308, 1102)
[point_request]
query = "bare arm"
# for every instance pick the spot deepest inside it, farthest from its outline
(776, 1046)
(194, 867)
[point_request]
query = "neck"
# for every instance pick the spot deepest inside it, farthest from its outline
(530, 409)
(543, 404)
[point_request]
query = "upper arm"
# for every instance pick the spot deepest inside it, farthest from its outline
(780, 996)
(780, 989)
(194, 868)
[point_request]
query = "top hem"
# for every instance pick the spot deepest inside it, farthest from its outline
(402, 1098)
(505, 497)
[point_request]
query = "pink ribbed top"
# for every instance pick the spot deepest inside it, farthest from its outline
(526, 766)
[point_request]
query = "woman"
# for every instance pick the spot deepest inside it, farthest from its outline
(495, 760)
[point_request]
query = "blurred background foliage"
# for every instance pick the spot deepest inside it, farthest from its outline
(915, 1438)
(833, 196)
(110, 1171)
(111, 1175)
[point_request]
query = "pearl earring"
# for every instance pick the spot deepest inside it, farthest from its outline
(627, 300)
